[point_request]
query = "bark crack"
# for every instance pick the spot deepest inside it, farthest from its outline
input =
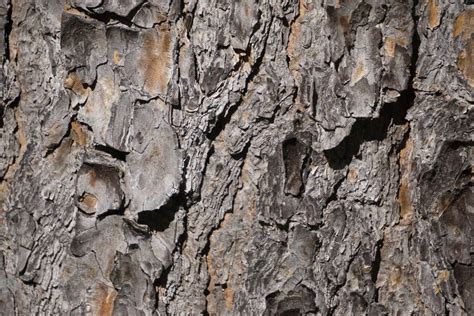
(221, 122)
(107, 17)
(8, 30)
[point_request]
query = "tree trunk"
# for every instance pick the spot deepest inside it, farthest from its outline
(250, 157)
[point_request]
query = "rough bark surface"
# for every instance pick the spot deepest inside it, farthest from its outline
(264, 157)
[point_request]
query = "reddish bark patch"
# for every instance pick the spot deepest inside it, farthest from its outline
(104, 300)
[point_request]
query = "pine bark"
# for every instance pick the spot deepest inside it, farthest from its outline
(236, 157)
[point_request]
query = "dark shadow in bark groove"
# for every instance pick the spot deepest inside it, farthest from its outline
(119, 211)
(365, 130)
(376, 128)
(299, 301)
(52, 148)
(161, 282)
(374, 273)
(222, 121)
(2, 112)
(295, 158)
(160, 219)
(107, 16)
(117, 154)
(8, 30)
(12, 104)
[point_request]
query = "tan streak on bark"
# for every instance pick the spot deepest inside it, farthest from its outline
(155, 61)
(433, 14)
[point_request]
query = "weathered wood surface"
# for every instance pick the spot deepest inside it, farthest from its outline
(236, 157)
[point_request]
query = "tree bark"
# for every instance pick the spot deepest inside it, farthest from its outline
(236, 157)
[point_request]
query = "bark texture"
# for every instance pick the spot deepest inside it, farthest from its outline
(226, 157)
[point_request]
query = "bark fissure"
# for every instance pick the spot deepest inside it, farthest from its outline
(8, 30)
(236, 157)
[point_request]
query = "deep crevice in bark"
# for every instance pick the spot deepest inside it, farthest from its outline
(223, 121)
(372, 129)
(365, 130)
(2, 113)
(8, 30)
(52, 148)
(158, 220)
(119, 211)
(106, 17)
(114, 153)
(374, 272)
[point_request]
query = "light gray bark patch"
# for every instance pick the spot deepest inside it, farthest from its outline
(155, 145)
(83, 44)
